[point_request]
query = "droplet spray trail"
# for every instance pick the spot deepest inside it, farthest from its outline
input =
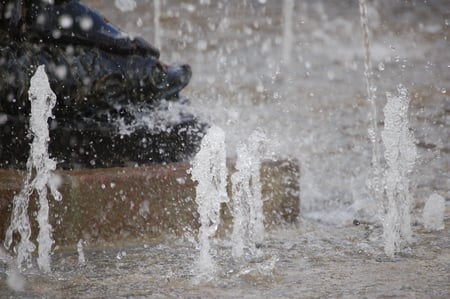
(373, 130)
(209, 170)
(38, 178)
(247, 204)
(400, 154)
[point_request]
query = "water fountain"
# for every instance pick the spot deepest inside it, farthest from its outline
(39, 177)
(247, 204)
(210, 171)
(400, 154)
(322, 118)
(373, 130)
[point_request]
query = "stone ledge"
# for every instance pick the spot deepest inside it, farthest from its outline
(119, 203)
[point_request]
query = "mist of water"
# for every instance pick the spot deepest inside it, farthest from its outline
(247, 204)
(38, 178)
(400, 154)
(210, 171)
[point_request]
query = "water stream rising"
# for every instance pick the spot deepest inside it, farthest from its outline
(247, 204)
(373, 116)
(209, 170)
(400, 154)
(38, 178)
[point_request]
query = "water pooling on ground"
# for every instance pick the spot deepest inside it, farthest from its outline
(312, 261)
(313, 109)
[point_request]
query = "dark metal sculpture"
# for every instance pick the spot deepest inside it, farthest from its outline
(102, 78)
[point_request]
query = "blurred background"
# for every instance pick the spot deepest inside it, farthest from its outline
(302, 83)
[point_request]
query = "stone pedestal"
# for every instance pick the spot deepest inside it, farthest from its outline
(120, 203)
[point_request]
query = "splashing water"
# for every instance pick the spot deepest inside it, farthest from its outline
(42, 102)
(400, 154)
(209, 170)
(247, 205)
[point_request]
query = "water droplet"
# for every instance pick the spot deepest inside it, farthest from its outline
(61, 72)
(56, 33)
(139, 22)
(103, 186)
(65, 21)
(381, 67)
(86, 23)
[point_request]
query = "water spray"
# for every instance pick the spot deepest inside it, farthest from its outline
(38, 178)
(210, 171)
(373, 130)
(400, 154)
(247, 205)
